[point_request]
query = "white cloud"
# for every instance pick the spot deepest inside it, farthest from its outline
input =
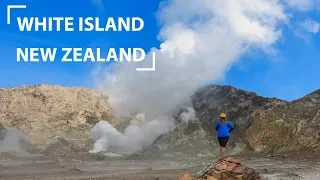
(305, 29)
(303, 5)
(311, 26)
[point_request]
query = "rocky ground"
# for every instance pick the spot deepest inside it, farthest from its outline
(273, 167)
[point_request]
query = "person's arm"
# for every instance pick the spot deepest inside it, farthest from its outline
(231, 128)
(217, 126)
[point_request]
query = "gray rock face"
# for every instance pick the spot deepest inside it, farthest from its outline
(198, 138)
(42, 112)
(186, 141)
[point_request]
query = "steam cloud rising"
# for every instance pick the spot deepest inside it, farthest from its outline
(11, 140)
(138, 135)
(200, 41)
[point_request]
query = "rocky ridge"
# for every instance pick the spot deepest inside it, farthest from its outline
(294, 126)
(43, 112)
(60, 118)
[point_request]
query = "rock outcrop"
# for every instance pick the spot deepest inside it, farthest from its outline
(42, 112)
(228, 169)
(294, 126)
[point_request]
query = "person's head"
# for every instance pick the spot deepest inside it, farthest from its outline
(223, 117)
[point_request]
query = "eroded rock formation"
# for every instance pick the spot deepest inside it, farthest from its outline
(43, 112)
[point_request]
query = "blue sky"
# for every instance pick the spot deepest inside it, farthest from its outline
(289, 74)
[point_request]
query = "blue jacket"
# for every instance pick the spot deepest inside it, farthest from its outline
(224, 130)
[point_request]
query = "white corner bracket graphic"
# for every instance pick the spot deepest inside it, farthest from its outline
(9, 7)
(153, 68)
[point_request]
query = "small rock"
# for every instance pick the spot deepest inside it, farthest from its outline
(185, 176)
(285, 156)
(292, 174)
(230, 166)
(211, 178)
(233, 160)
(99, 157)
(239, 169)
(221, 166)
(215, 174)
(210, 172)
(76, 170)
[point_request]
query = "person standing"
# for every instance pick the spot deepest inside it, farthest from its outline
(224, 128)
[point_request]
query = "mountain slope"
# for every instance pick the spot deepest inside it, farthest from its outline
(294, 126)
(42, 112)
(198, 137)
(239, 105)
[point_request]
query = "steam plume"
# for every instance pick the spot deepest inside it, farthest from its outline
(12, 141)
(201, 40)
(135, 138)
